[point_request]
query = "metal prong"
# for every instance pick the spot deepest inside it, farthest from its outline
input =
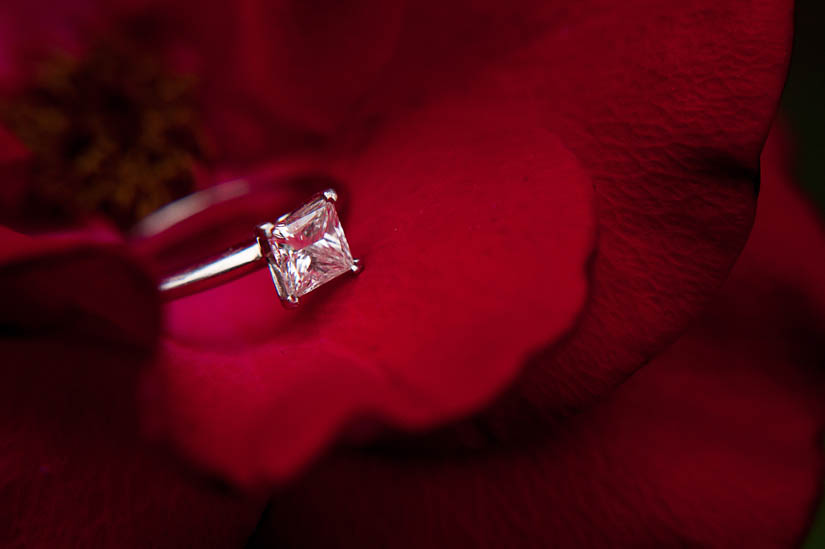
(357, 266)
(330, 195)
(290, 302)
(265, 229)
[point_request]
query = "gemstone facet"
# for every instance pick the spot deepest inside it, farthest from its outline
(307, 248)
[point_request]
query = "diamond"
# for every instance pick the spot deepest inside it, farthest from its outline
(307, 248)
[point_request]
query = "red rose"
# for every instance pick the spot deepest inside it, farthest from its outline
(545, 197)
(714, 443)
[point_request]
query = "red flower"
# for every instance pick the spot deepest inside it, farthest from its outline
(715, 443)
(466, 153)
(468, 139)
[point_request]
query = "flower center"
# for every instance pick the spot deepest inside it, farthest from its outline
(110, 133)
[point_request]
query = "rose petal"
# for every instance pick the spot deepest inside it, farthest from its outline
(12, 151)
(77, 283)
(668, 105)
(73, 470)
(78, 319)
(715, 443)
(30, 28)
(276, 75)
(475, 258)
(13, 162)
(665, 104)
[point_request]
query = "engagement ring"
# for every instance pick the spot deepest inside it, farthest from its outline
(303, 249)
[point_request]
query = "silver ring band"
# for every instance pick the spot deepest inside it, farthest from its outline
(233, 264)
(303, 249)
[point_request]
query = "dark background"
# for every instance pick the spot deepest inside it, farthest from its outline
(803, 105)
(804, 100)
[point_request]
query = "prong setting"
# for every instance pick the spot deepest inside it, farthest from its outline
(306, 248)
(302, 249)
(266, 228)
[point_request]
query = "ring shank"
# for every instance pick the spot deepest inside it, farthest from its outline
(232, 264)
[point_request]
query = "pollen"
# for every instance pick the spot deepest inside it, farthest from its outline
(111, 132)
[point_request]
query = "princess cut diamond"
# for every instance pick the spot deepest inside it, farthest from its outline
(307, 248)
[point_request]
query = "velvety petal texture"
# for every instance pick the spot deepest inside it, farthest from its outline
(482, 211)
(445, 138)
(661, 108)
(715, 443)
(466, 140)
(667, 106)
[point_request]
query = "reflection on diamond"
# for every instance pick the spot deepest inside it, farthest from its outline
(308, 249)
